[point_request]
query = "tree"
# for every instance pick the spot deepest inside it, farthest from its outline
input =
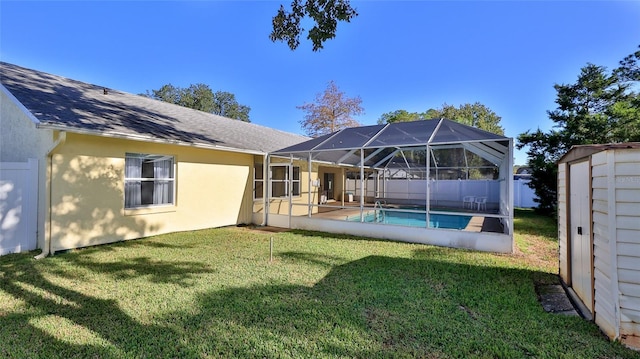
(225, 104)
(166, 93)
(629, 69)
(544, 171)
(201, 97)
(400, 116)
(600, 107)
(324, 13)
(198, 96)
(331, 111)
(476, 115)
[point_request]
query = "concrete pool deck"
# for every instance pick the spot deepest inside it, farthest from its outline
(476, 224)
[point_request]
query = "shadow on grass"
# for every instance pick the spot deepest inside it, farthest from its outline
(176, 272)
(144, 242)
(394, 307)
(318, 234)
(24, 335)
(374, 307)
(312, 258)
(46, 304)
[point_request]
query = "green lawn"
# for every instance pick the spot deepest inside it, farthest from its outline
(214, 293)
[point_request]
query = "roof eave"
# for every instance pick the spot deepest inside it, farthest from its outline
(19, 104)
(128, 136)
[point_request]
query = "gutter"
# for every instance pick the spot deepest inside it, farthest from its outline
(134, 137)
(46, 250)
(265, 189)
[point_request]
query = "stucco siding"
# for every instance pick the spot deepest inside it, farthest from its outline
(213, 188)
(19, 137)
(21, 140)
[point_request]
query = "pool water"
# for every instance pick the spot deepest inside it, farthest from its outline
(414, 219)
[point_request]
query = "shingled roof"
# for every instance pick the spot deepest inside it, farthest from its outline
(64, 104)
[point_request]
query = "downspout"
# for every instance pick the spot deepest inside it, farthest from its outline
(265, 189)
(310, 208)
(363, 193)
(46, 250)
(290, 187)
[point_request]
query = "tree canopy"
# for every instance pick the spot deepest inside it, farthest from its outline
(476, 115)
(331, 111)
(201, 97)
(600, 107)
(400, 116)
(324, 14)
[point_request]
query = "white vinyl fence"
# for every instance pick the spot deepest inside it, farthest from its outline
(442, 191)
(18, 206)
(523, 195)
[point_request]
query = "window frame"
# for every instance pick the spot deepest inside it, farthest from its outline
(171, 179)
(293, 184)
(256, 180)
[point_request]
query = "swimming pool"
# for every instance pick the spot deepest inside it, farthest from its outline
(411, 219)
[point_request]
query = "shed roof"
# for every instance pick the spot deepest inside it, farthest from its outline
(582, 151)
(65, 104)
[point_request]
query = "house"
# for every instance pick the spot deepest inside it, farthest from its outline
(113, 166)
(599, 235)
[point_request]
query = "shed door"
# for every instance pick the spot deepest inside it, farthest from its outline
(580, 220)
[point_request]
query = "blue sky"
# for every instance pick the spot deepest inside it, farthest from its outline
(412, 55)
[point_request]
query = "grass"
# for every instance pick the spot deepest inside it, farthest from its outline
(214, 293)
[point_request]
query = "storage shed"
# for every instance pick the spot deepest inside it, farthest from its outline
(599, 234)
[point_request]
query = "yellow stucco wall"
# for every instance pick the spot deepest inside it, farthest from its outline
(338, 179)
(213, 188)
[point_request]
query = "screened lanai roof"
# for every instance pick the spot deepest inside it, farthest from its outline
(379, 142)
